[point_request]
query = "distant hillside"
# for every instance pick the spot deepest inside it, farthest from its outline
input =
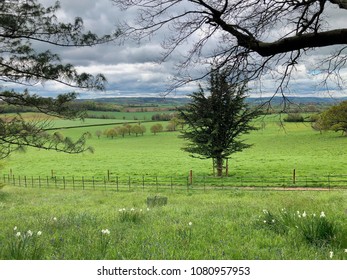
(297, 100)
(143, 101)
(170, 101)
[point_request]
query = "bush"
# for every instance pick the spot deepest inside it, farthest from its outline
(294, 117)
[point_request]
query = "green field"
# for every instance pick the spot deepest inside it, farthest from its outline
(276, 151)
(225, 224)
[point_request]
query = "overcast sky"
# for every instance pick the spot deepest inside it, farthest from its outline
(132, 70)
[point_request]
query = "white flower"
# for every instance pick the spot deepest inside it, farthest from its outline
(147, 209)
(18, 234)
(190, 224)
(265, 211)
(39, 233)
(29, 233)
(299, 216)
(345, 250)
(120, 210)
(140, 210)
(132, 209)
(297, 212)
(322, 214)
(55, 219)
(15, 228)
(331, 254)
(273, 221)
(304, 214)
(314, 214)
(264, 221)
(105, 231)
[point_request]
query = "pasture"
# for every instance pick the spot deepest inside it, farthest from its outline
(276, 151)
(52, 223)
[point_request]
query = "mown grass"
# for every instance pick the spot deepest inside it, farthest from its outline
(211, 225)
(276, 151)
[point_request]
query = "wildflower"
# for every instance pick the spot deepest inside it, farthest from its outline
(299, 216)
(105, 231)
(39, 233)
(190, 224)
(147, 209)
(273, 221)
(304, 214)
(264, 221)
(132, 209)
(345, 250)
(297, 212)
(29, 233)
(322, 214)
(55, 219)
(265, 211)
(15, 228)
(18, 234)
(120, 210)
(140, 210)
(331, 254)
(314, 214)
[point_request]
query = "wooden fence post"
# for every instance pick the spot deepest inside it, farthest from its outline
(191, 177)
(294, 177)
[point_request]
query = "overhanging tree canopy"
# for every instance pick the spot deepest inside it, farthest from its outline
(25, 25)
(251, 35)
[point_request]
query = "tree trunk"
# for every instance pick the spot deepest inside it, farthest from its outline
(219, 164)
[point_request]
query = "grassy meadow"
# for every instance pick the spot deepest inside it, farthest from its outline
(55, 224)
(276, 151)
(42, 223)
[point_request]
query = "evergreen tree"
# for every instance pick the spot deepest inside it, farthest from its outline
(24, 25)
(216, 121)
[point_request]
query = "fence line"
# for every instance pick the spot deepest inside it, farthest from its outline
(156, 183)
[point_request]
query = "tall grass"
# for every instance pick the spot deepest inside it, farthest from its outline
(57, 224)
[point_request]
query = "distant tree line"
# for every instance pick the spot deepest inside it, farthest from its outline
(163, 117)
(139, 129)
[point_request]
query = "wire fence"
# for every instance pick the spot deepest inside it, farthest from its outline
(176, 183)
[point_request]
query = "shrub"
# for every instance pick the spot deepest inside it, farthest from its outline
(294, 117)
